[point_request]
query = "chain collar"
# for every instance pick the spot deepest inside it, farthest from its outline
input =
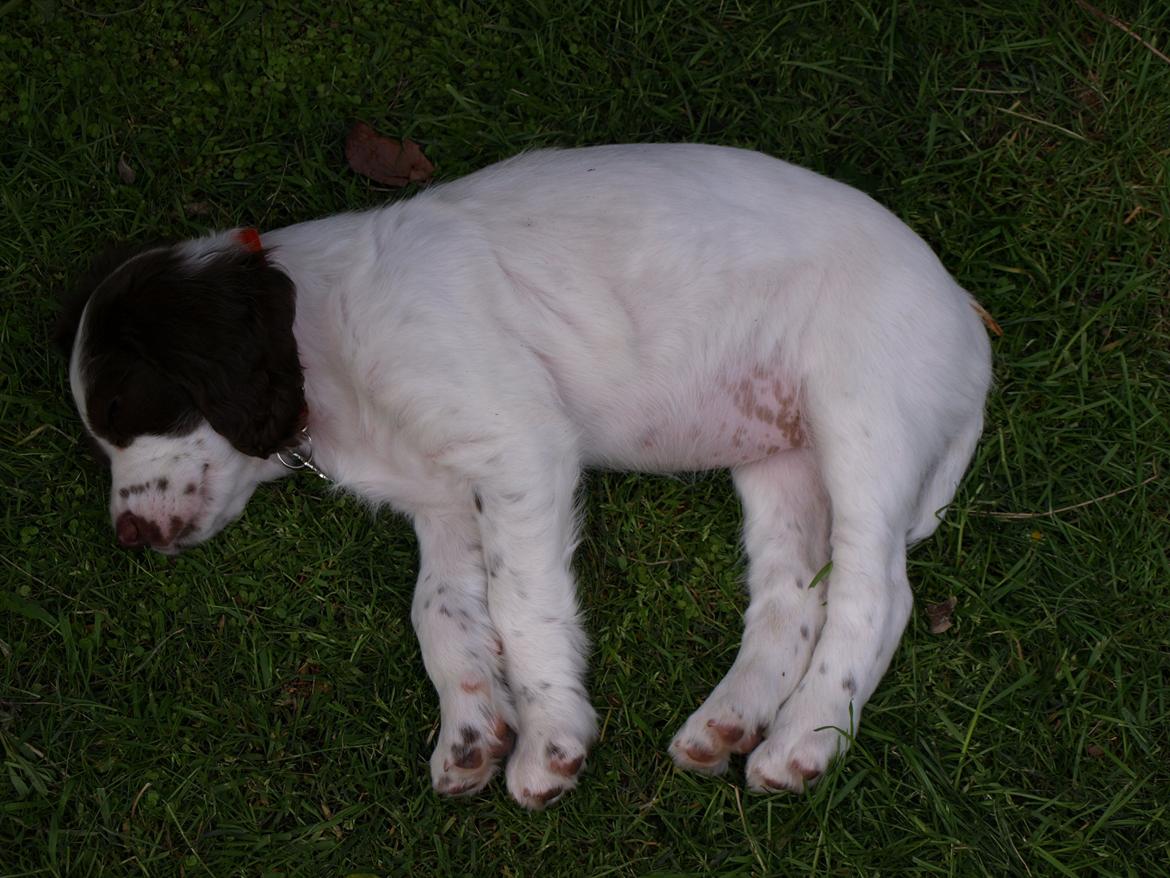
(300, 456)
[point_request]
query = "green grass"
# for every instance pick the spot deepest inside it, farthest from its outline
(259, 707)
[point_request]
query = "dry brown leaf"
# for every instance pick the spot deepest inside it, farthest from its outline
(988, 321)
(126, 173)
(305, 684)
(939, 615)
(385, 159)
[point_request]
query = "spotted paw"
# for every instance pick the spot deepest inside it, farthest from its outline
(544, 768)
(468, 754)
(794, 758)
(704, 743)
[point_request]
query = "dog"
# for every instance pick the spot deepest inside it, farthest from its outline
(460, 356)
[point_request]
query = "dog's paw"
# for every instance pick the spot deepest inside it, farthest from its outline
(544, 767)
(475, 737)
(798, 750)
(715, 731)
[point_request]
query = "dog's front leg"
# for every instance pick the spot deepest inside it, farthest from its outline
(527, 520)
(461, 651)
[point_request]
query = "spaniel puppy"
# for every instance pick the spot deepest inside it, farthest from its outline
(461, 356)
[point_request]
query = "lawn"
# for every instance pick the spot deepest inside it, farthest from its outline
(259, 707)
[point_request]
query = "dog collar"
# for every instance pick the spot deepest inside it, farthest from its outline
(300, 456)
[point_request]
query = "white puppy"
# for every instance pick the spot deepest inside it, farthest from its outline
(462, 355)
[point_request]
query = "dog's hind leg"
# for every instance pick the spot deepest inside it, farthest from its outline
(873, 467)
(461, 651)
(786, 533)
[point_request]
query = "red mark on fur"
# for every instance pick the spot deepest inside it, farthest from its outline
(752, 741)
(558, 764)
(702, 755)
(805, 771)
(250, 240)
(566, 769)
(507, 739)
(728, 734)
(470, 686)
(542, 799)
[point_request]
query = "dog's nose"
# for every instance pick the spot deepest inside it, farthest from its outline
(134, 532)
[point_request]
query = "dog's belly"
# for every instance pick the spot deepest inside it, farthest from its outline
(727, 422)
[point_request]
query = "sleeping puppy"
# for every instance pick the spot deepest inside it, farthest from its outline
(461, 356)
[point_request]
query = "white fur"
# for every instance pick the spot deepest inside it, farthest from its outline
(658, 308)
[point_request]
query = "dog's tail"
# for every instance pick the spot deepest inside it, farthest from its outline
(939, 487)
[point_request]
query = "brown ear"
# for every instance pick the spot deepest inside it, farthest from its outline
(219, 331)
(73, 300)
(232, 347)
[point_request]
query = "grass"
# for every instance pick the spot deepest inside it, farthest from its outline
(258, 706)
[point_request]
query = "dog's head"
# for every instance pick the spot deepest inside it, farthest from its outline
(184, 369)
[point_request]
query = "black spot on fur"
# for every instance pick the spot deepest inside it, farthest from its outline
(464, 756)
(468, 734)
(478, 501)
(443, 611)
(169, 343)
(191, 488)
(163, 484)
(849, 685)
(804, 632)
